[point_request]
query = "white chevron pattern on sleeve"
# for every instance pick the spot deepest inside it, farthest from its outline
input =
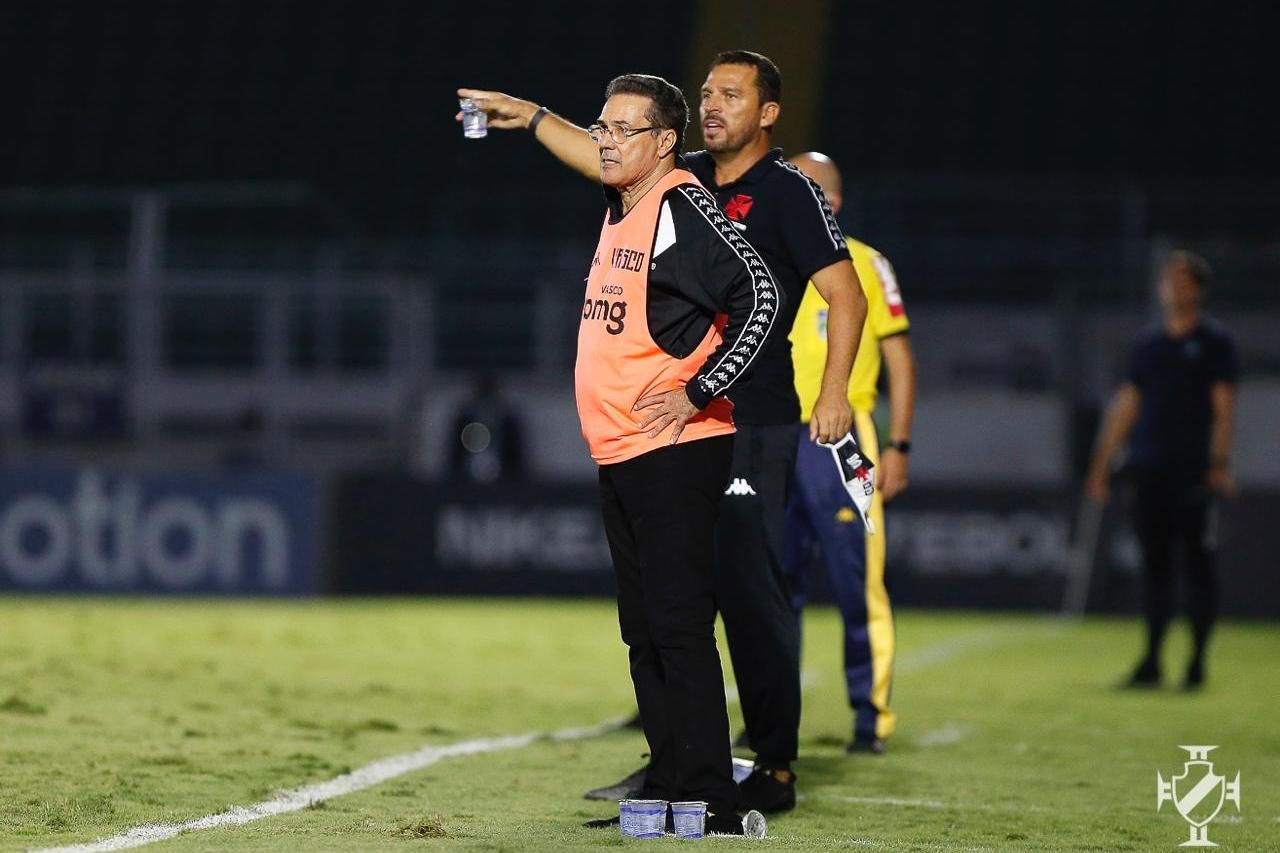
(743, 351)
(828, 216)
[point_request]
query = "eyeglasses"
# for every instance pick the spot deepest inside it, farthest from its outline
(618, 133)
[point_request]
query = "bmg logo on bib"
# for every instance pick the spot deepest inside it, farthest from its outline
(614, 314)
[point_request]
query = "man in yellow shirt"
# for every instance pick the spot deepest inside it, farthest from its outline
(821, 513)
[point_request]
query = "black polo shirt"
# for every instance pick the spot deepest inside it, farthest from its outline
(786, 218)
(1174, 377)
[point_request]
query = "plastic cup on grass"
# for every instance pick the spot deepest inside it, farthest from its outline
(690, 818)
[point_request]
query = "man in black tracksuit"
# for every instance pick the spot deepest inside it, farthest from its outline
(785, 217)
(790, 226)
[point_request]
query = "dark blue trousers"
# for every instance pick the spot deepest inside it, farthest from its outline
(821, 515)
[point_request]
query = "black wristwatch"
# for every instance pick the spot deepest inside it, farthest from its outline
(900, 446)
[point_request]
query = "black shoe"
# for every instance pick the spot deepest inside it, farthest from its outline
(751, 824)
(727, 823)
(621, 790)
(1195, 676)
(768, 791)
(1146, 675)
(865, 743)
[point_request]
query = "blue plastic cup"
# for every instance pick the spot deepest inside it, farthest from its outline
(475, 121)
(690, 818)
(642, 818)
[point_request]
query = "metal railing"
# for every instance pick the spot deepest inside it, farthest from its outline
(129, 335)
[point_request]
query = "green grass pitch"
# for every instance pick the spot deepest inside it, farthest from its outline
(119, 713)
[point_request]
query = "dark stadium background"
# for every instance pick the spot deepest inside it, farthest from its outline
(246, 255)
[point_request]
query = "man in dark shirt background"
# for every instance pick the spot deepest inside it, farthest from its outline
(1176, 409)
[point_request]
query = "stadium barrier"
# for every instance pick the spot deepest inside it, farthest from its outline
(948, 546)
(87, 529)
(397, 534)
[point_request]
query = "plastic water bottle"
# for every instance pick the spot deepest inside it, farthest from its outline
(475, 122)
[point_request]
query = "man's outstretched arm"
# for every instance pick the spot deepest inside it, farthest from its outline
(569, 143)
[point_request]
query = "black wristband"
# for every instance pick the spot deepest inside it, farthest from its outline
(900, 446)
(537, 116)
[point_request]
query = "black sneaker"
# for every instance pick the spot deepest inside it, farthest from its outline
(621, 790)
(1195, 676)
(768, 791)
(1146, 675)
(865, 743)
(751, 824)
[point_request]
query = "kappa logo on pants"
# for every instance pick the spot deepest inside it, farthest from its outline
(740, 487)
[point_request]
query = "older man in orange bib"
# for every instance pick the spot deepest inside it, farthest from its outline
(676, 310)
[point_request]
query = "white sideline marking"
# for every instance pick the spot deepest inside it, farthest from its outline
(296, 799)
(901, 845)
(384, 769)
(944, 650)
(924, 804)
(901, 802)
(945, 736)
(882, 801)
